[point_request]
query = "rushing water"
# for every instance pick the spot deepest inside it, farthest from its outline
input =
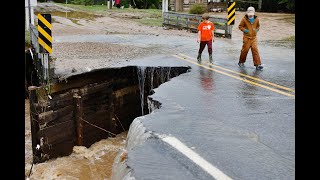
(94, 162)
(163, 73)
(141, 78)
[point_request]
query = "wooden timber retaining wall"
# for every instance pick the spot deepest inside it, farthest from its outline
(88, 107)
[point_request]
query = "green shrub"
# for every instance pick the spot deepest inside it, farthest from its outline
(27, 40)
(197, 8)
(81, 2)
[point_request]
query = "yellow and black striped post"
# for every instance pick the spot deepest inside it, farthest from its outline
(231, 12)
(44, 29)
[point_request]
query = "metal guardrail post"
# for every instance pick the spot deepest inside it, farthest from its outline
(40, 58)
(228, 31)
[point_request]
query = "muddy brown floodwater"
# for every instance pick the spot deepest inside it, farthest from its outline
(84, 163)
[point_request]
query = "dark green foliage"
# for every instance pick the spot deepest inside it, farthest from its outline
(289, 5)
(268, 5)
(100, 2)
(125, 3)
(197, 8)
(146, 4)
(81, 2)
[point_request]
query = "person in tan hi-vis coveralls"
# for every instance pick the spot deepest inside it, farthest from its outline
(250, 25)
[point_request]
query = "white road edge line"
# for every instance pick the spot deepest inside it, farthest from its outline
(196, 158)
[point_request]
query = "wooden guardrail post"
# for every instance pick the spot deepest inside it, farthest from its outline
(34, 122)
(78, 119)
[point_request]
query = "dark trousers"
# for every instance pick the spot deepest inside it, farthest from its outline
(203, 45)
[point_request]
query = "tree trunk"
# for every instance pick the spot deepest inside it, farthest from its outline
(178, 5)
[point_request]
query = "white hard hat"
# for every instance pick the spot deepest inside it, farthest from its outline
(250, 11)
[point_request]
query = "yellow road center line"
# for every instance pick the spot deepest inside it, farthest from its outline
(245, 75)
(241, 79)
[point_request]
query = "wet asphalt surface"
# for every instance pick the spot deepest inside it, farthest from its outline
(240, 125)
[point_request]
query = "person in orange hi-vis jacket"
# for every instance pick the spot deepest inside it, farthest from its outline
(205, 36)
(250, 25)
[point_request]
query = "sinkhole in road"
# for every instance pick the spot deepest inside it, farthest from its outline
(88, 107)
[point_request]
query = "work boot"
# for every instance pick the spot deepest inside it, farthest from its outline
(241, 64)
(210, 58)
(259, 67)
(199, 58)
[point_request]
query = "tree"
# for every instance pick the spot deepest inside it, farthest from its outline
(289, 4)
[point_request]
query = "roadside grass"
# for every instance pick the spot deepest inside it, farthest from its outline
(93, 8)
(150, 21)
(27, 40)
(290, 19)
(149, 17)
(288, 42)
(291, 39)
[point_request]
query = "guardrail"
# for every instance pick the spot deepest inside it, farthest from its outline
(40, 59)
(191, 22)
(34, 37)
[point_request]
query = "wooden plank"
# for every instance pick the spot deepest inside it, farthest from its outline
(57, 132)
(60, 96)
(125, 91)
(34, 119)
(94, 88)
(95, 76)
(68, 117)
(99, 116)
(78, 118)
(60, 149)
(98, 98)
(93, 109)
(60, 104)
(49, 116)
